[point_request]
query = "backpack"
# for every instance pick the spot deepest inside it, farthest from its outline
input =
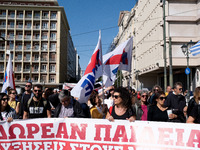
(43, 100)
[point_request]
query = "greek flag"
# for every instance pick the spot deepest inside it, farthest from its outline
(195, 50)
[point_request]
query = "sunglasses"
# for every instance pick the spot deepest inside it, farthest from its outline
(13, 93)
(162, 98)
(39, 91)
(144, 96)
(27, 86)
(115, 96)
(4, 99)
(155, 89)
(180, 89)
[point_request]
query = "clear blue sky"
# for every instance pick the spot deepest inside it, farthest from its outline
(86, 16)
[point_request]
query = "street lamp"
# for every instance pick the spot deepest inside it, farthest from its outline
(186, 51)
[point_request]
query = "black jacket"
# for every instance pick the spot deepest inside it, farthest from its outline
(78, 112)
(176, 103)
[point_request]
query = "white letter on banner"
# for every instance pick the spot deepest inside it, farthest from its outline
(106, 147)
(84, 146)
(37, 145)
(73, 146)
(47, 145)
(55, 145)
(62, 144)
(5, 145)
(95, 146)
(118, 147)
(16, 145)
(29, 146)
(130, 148)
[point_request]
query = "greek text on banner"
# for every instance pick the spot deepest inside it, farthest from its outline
(97, 134)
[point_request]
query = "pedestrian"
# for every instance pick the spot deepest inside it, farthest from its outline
(155, 89)
(194, 107)
(12, 100)
(68, 106)
(176, 102)
(141, 106)
(108, 98)
(158, 112)
(122, 106)
(24, 98)
(96, 109)
(7, 112)
(168, 90)
(37, 106)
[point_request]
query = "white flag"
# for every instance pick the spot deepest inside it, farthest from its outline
(118, 59)
(85, 86)
(9, 76)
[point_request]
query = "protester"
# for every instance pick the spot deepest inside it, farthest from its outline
(142, 106)
(158, 112)
(24, 98)
(12, 100)
(194, 107)
(7, 112)
(96, 109)
(168, 90)
(192, 101)
(176, 102)
(155, 89)
(68, 106)
(37, 106)
(122, 106)
(109, 99)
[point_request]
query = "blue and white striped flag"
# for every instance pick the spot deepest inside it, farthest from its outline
(195, 50)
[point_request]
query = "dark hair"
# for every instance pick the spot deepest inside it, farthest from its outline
(63, 94)
(8, 106)
(178, 84)
(29, 82)
(125, 95)
(156, 86)
(38, 86)
(92, 97)
(2, 95)
(157, 95)
(10, 91)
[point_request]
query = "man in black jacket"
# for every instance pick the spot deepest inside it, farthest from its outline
(68, 106)
(176, 102)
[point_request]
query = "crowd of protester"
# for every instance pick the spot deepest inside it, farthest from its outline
(119, 103)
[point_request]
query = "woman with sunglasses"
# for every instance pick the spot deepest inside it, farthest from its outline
(142, 106)
(7, 112)
(158, 112)
(12, 100)
(122, 106)
(194, 107)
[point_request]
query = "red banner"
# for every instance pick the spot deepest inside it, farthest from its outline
(97, 134)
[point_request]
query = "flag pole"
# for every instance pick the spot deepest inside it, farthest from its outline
(102, 70)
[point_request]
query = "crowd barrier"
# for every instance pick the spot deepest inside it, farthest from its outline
(97, 134)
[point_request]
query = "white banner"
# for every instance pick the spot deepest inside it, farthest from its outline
(97, 134)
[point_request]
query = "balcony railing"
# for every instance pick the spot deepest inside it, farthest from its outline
(43, 70)
(11, 26)
(20, 16)
(26, 70)
(52, 59)
(2, 48)
(2, 26)
(36, 27)
(45, 17)
(43, 59)
(2, 16)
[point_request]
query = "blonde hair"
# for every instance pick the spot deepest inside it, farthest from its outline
(197, 94)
